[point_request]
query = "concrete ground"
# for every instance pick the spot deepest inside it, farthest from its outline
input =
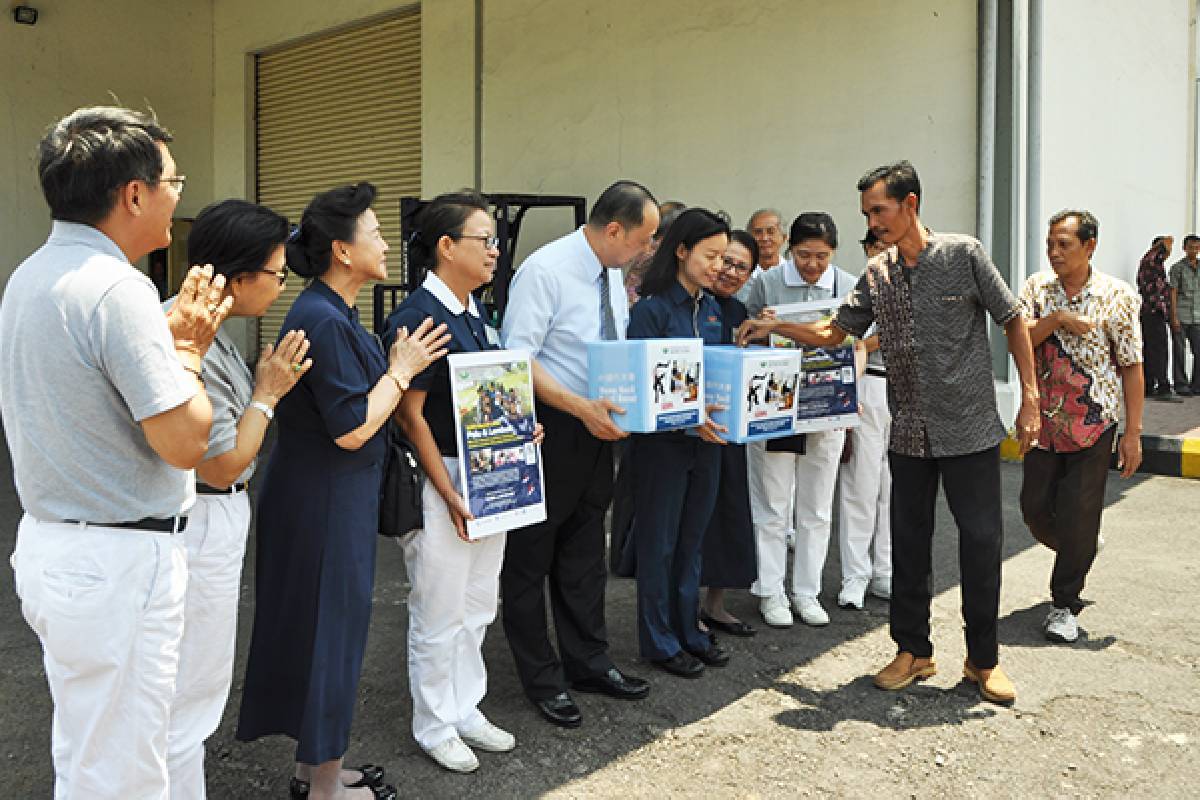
(794, 714)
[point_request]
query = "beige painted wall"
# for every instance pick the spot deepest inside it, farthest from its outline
(732, 105)
(156, 54)
(1117, 132)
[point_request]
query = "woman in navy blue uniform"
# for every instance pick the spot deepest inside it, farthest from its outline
(455, 581)
(675, 474)
(729, 561)
(318, 511)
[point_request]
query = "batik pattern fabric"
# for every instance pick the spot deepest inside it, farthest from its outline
(1152, 282)
(1078, 374)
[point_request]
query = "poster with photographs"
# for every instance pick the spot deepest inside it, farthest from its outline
(500, 467)
(828, 394)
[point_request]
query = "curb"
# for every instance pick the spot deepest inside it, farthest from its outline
(1173, 456)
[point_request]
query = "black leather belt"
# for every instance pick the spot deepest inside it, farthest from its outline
(168, 525)
(878, 372)
(204, 488)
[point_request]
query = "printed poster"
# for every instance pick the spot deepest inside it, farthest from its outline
(827, 397)
(500, 468)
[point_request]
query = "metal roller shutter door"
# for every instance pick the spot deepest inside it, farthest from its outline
(337, 109)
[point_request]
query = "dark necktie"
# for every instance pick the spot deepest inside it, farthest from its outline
(608, 322)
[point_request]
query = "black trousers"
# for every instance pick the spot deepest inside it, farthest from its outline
(567, 553)
(972, 486)
(1062, 498)
(1154, 353)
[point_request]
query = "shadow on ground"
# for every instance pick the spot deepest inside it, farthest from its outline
(546, 757)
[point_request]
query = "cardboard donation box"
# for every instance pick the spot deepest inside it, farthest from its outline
(757, 386)
(659, 382)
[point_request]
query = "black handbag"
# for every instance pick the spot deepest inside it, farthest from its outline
(400, 508)
(796, 443)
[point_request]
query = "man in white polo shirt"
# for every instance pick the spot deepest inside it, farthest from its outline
(105, 416)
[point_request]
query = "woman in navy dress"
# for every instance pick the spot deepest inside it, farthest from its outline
(729, 560)
(675, 474)
(318, 511)
(455, 581)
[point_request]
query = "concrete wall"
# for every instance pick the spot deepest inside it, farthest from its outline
(732, 105)
(81, 53)
(1118, 118)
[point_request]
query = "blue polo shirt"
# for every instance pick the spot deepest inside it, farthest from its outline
(467, 335)
(675, 314)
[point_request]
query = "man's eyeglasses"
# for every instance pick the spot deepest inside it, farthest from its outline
(736, 266)
(281, 275)
(489, 242)
(176, 182)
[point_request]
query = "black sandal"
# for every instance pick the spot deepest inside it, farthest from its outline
(372, 776)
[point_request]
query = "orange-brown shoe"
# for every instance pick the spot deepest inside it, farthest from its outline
(994, 685)
(904, 669)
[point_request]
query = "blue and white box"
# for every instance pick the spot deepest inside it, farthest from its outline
(659, 382)
(757, 388)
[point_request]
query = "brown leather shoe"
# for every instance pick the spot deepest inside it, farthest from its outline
(994, 685)
(904, 669)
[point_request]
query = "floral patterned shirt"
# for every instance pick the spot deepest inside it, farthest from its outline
(1078, 375)
(1152, 282)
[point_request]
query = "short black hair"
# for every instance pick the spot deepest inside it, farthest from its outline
(444, 215)
(330, 217)
(235, 236)
(1088, 226)
(813, 225)
(747, 241)
(624, 202)
(899, 178)
(1191, 237)
(91, 153)
(667, 215)
(692, 226)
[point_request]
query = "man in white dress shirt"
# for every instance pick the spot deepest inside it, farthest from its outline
(565, 295)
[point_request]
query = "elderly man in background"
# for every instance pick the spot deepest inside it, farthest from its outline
(106, 416)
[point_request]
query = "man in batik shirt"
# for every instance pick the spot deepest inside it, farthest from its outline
(1088, 347)
(1155, 290)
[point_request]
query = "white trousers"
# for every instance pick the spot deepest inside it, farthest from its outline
(216, 544)
(776, 479)
(864, 512)
(455, 591)
(107, 605)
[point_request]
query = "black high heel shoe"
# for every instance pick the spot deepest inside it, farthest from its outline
(372, 777)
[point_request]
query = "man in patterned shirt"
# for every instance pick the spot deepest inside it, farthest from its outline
(930, 295)
(1088, 345)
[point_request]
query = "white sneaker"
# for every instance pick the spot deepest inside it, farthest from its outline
(810, 611)
(1061, 626)
(881, 588)
(775, 611)
(454, 755)
(490, 739)
(854, 591)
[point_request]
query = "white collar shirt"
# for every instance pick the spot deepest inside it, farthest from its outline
(554, 308)
(438, 288)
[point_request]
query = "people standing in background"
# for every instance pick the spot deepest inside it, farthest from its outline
(635, 269)
(864, 509)
(787, 485)
(728, 560)
(566, 294)
(766, 226)
(1084, 328)
(1155, 317)
(1185, 317)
